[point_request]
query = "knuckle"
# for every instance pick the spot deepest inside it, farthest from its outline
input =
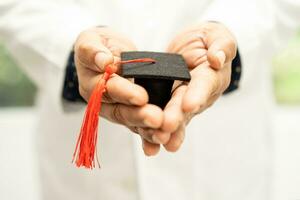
(117, 114)
(83, 49)
(199, 60)
(85, 54)
(107, 98)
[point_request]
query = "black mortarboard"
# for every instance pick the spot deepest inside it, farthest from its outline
(158, 77)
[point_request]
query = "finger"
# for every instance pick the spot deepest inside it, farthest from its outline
(91, 53)
(154, 135)
(192, 46)
(201, 88)
(194, 57)
(173, 113)
(176, 139)
(160, 137)
(173, 118)
(150, 149)
(116, 47)
(221, 49)
(103, 59)
(118, 89)
(143, 116)
(146, 133)
(121, 90)
(186, 39)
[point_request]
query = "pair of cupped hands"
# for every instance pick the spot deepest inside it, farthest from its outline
(208, 50)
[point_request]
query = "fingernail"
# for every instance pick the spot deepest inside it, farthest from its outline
(156, 139)
(222, 57)
(134, 101)
(102, 59)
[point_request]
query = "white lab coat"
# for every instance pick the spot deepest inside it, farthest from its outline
(227, 152)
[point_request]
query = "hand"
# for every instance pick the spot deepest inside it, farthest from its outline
(123, 102)
(208, 49)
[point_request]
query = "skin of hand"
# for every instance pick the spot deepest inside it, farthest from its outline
(123, 102)
(208, 50)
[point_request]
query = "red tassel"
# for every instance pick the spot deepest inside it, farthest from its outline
(86, 146)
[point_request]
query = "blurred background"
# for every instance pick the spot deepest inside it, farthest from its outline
(17, 119)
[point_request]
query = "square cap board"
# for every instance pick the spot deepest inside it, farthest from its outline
(156, 77)
(167, 66)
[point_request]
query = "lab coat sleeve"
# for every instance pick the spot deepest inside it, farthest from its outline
(257, 18)
(287, 19)
(260, 26)
(40, 34)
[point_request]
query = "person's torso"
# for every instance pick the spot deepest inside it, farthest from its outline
(216, 142)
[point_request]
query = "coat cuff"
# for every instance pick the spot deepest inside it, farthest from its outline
(71, 86)
(236, 72)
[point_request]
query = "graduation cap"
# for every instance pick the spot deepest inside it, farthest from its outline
(156, 77)
(155, 72)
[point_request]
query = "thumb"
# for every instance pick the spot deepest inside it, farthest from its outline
(90, 52)
(104, 58)
(220, 50)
